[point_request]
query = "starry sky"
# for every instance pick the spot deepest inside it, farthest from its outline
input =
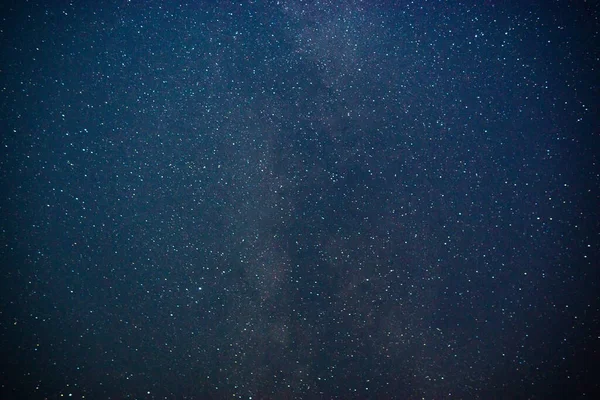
(299, 199)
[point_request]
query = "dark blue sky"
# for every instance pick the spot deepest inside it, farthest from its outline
(290, 199)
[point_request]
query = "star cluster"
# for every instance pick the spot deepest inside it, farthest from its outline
(291, 199)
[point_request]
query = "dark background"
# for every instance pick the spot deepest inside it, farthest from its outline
(287, 199)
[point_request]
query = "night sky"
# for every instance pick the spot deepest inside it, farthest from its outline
(299, 200)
